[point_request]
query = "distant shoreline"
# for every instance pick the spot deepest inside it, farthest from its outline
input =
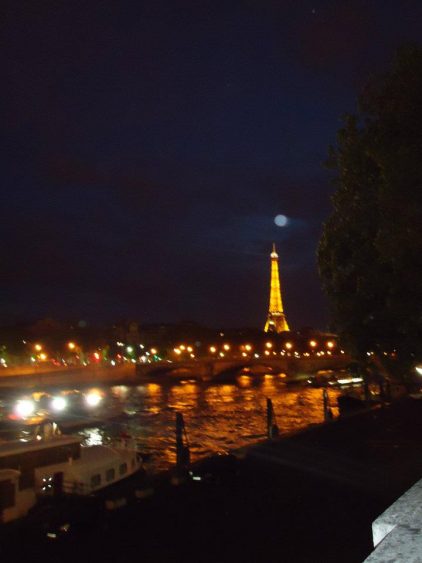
(90, 375)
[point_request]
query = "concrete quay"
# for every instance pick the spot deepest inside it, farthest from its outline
(208, 370)
(308, 497)
(63, 377)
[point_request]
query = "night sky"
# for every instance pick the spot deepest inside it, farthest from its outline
(148, 147)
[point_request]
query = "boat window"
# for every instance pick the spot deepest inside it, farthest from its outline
(110, 474)
(7, 494)
(123, 468)
(96, 480)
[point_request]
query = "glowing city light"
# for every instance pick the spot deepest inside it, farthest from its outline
(418, 370)
(330, 344)
(38, 347)
(71, 345)
(129, 349)
(313, 343)
(153, 350)
(58, 404)
(42, 356)
(93, 398)
(268, 344)
(24, 408)
(248, 347)
(226, 347)
(289, 345)
(213, 349)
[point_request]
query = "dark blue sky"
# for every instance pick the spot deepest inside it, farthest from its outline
(148, 146)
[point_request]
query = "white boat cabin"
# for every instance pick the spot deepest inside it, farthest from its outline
(97, 467)
(14, 503)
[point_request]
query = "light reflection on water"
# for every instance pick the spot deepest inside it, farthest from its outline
(218, 417)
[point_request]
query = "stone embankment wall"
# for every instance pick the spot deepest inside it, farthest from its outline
(397, 533)
(29, 377)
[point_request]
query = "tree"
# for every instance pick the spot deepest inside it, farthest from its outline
(370, 252)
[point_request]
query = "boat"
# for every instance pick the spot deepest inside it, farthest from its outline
(51, 464)
(14, 501)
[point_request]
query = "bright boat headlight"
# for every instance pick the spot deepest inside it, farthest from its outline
(24, 408)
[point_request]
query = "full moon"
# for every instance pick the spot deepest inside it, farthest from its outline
(281, 220)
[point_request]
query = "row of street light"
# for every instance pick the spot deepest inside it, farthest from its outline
(134, 353)
(315, 348)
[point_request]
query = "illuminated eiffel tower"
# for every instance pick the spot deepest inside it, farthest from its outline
(276, 319)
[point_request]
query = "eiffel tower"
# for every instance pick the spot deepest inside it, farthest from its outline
(276, 319)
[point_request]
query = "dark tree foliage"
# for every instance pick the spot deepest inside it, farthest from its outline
(370, 252)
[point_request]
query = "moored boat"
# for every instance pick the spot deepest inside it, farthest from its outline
(53, 464)
(14, 502)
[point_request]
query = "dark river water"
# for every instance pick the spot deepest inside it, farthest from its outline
(218, 417)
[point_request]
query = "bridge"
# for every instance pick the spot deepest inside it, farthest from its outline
(209, 369)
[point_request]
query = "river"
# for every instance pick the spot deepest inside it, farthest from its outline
(218, 417)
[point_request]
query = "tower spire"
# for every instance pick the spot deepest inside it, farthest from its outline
(276, 319)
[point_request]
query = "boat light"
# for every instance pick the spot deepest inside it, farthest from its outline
(24, 408)
(58, 404)
(344, 381)
(93, 399)
(418, 370)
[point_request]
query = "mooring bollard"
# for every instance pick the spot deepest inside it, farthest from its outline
(272, 428)
(328, 413)
(182, 451)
